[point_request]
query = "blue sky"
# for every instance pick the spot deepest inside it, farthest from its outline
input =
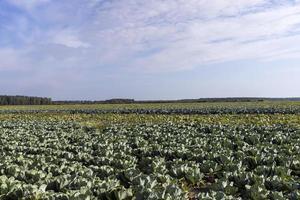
(154, 49)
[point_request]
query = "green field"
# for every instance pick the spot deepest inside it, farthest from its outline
(244, 150)
(263, 104)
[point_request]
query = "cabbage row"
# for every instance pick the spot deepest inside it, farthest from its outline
(184, 111)
(62, 160)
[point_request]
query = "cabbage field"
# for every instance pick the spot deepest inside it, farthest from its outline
(190, 151)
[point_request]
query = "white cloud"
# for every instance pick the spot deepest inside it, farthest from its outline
(68, 39)
(162, 35)
(187, 34)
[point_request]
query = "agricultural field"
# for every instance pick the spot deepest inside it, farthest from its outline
(151, 151)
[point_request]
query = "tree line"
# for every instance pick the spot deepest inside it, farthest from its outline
(109, 101)
(200, 100)
(24, 100)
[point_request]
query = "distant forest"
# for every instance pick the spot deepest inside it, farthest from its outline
(26, 100)
(130, 101)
